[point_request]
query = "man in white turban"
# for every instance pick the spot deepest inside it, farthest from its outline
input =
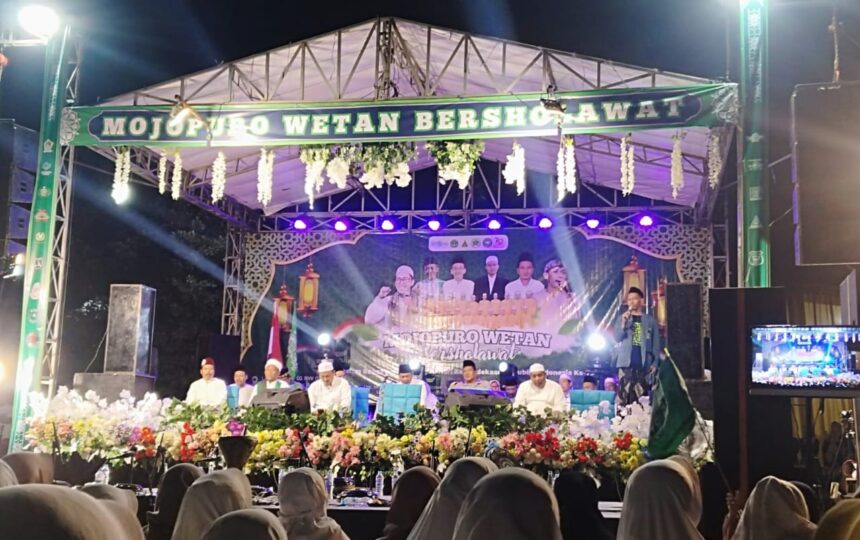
(271, 372)
(329, 393)
(539, 393)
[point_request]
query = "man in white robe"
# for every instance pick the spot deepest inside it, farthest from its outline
(207, 390)
(239, 393)
(329, 393)
(271, 378)
(539, 393)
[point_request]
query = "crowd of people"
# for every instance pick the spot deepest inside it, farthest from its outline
(473, 500)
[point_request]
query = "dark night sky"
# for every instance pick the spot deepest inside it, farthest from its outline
(129, 44)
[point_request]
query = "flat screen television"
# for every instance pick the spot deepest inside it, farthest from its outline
(805, 361)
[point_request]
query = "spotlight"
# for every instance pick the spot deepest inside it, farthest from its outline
(434, 224)
(596, 342)
(120, 193)
(415, 364)
(592, 223)
(494, 224)
(341, 225)
(181, 111)
(503, 367)
(18, 266)
(646, 221)
(324, 339)
(387, 224)
(300, 224)
(553, 105)
(545, 223)
(41, 21)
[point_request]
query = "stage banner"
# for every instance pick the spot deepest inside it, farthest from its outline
(515, 115)
(388, 299)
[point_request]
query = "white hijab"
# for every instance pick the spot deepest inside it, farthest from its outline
(514, 504)
(7, 475)
(248, 524)
(210, 497)
(440, 515)
(303, 501)
(663, 500)
(104, 492)
(39, 512)
(775, 510)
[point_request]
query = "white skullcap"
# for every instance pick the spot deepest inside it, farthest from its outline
(403, 271)
(536, 368)
(566, 375)
(325, 366)
(275, 362)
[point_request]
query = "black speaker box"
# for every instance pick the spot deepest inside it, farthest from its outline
(684, 328)
(826, 172)
(752, 433)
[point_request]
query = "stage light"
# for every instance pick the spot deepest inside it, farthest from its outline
(300, 224)
(434, 224)
(341, 225)
(592, 223)
(545, 223)
(324, 339)
(415, 364)
(552, 105)
(181, 111)
(494, 224)
(18, 266)
(503, 367)
(120, 193)
(387, 224)
(41, 21)
(646, 221)
(596, 341)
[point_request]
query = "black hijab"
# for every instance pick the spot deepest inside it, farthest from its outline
(577, 505)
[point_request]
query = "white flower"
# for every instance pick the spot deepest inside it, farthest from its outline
(400, 174)
(373, 177)
(337, 171)
(515, 168)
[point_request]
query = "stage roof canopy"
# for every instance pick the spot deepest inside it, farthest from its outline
(424, 60)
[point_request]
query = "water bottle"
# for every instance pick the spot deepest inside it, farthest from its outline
(329, 485)
(379, 483)
(103, 474)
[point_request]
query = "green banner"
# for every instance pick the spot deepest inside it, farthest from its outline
(519, 115)
(755, 256)
(40, 239)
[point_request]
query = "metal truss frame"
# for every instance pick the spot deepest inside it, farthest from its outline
(59, 251)
(234, 256)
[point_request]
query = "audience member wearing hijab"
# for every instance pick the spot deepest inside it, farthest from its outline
(410, 496)
(104, 492)
(171, 490)
(813, 505)
(303, 501)
(40, 512)
(842, 522)
(440, 515)
(663, 500)
(576, 494)
(514, 504)
(7, 475)
(775, 510)
(31, 468)
(210, 497)
(249, 524)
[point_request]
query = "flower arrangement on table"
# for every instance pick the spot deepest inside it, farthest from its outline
(588, 441)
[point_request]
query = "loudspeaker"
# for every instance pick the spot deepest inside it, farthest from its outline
(752, 433)
(684, 328)
(131, 321)
(17, 176)
(826, 172)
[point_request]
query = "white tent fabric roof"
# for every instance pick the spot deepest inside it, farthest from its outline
(427, 61)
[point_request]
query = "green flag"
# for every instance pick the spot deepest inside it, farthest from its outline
(672, 412)
(292, 362)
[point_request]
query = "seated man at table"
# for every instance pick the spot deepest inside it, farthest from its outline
(329, 393)
(610, 385)
(566, 382)
(428, 399)
(207, 390)
(271, 380)
(589, 383)
(240, 392)
(539, 393)
(470, 377)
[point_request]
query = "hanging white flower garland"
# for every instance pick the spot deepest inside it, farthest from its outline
(715, 159)
(456, 160)
(264, 176)
(121, 175)
(338, 168)
(677, 177)
(162, 173)
(515, 168)
(176, 180)
(314, 158)
(628, 178)
(565, 168)
(219, 177)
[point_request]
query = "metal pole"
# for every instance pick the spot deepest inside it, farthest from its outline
(753, 187)
(40, 239)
